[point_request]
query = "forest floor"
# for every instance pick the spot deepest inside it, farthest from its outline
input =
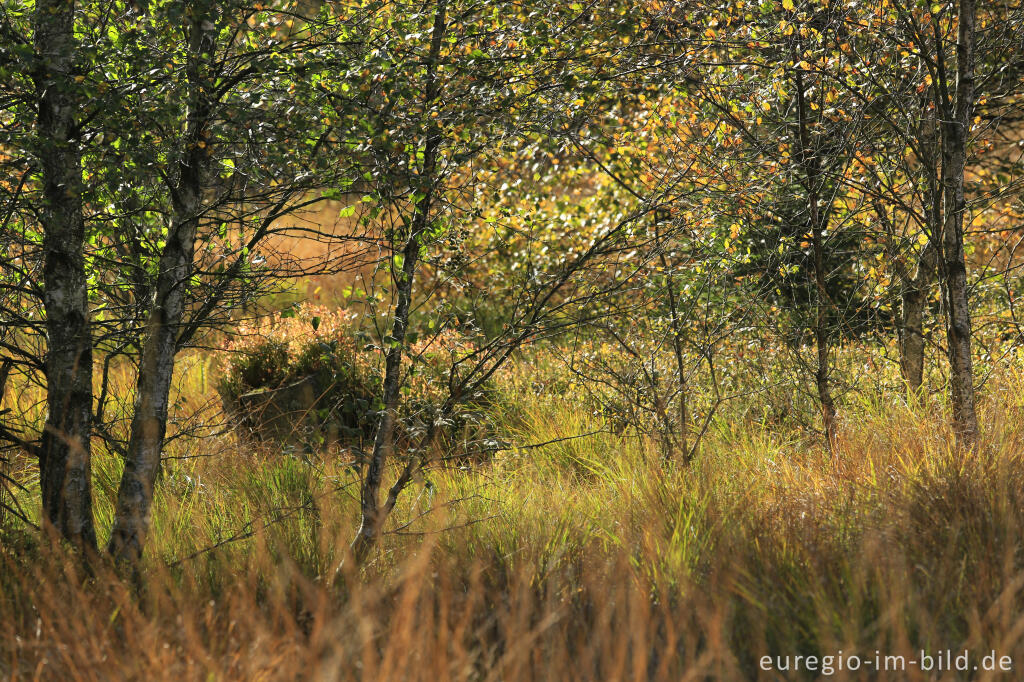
(585, 558)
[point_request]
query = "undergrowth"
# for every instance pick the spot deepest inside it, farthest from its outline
(560, 557)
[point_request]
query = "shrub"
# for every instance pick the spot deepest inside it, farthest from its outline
(315, 377)
(300, 376)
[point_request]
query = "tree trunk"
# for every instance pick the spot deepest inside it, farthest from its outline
(65, 459)
(152, 392)
(372, 513)
(812, 175)
(372, 516)
(156, 368)
(912, 338)
(914, 300)
(954, 268)
(677, 350)
(821, 332)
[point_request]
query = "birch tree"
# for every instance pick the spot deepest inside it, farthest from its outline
(249, 154)
(65, 450)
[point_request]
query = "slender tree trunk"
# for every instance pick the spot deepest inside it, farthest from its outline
(677, 350)
(812, 174)
(372, 516)
(152, 392)
(156, 369)
(372, 513)
(912, 337)
(953, 267)
(65, 461)
(821, 332)
(914, 300)
(916, 287)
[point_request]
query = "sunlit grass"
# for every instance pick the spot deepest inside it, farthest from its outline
(562, 556)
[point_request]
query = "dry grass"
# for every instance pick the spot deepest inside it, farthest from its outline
(586, 559)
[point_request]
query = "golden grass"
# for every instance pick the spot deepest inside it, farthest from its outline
(585, 559)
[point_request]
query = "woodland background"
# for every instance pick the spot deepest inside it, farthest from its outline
(495, 340)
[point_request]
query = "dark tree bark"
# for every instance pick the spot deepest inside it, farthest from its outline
(156, 369)
(914, 290)
(372, 513)
(914, 299)
(65, 455)
(953, 269)
(677, 352)
(812, 179)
